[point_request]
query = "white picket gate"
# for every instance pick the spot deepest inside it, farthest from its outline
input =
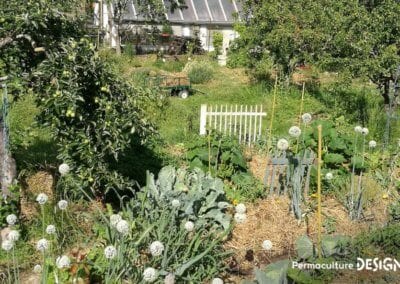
(242, 121)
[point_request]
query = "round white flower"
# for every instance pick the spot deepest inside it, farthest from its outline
(329, 176)
(358, 129)
(110, 252)
(365, 131)
(42, 245)
(294, 131)
(267, 245)
(240, 217)
(306, 117)
(114, 219)
(13, 235)
(7, 245)
(372, 144)
(51, 229)
(189, 226)
(11, 219)
(282, 144)
(63, 262)
(37, 268)
(150, 274)
(175, 203)
(63, 169)
(156, 248)
(240, 208)
(217, 281)
(123, 227)
(62, 204)
(42, 198)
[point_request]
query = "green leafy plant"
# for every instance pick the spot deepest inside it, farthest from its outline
(92, 114)
(199, 72)
(160, 213)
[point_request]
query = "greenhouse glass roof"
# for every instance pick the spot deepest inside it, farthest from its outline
(193, 12)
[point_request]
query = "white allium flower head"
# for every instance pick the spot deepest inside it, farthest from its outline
(123, 227)
(13, 235)
(42, 198)
(358, 129)
(7, 245)
(175, 203)
(50, 229)
(294, 131)
(11, 219)
(37, 268)
(306, 117)
(150, 275)
(329, 176)
(365, 131)
(189, 226)
(63, 262)
(62, 204)
(114, 219)
(240, 217)
(169, 279)
(110, 252)
(63, 169)
(217, 281)
(156, 248)
(282, 144)
(372, 144)
(240, 208)
(42, 245)
(267, 245)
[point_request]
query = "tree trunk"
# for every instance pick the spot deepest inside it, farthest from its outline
(386, 93)
(110, 23)
(117, 41)
(7, 163)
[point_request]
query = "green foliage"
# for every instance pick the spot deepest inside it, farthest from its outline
(199, 72)
(379, 241)
(30, 25)
(91, 112)
(304, 247)
(361, 40)
(195, 255)
(9, 205)
(223, 153)
(218, 39)
(394, 211)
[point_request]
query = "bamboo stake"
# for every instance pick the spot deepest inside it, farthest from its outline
(299, 118)
(209, 151)
(319, 188)
(269, 141)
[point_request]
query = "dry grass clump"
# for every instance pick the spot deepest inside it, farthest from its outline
(40, 182)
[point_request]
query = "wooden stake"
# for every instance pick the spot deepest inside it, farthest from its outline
(319, 189)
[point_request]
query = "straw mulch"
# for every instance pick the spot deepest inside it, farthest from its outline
(40, 182)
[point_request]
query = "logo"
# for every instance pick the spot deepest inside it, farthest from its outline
(375, 264)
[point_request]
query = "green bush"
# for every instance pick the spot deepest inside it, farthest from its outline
(92, 115)
(199, 72)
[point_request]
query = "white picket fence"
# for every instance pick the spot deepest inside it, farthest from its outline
(238, 120)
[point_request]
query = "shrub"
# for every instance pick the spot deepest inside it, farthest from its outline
(199, 72)
(92, 114)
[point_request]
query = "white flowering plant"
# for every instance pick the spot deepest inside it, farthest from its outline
(160, 233)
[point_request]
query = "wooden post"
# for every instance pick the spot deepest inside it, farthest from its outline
(319, 189)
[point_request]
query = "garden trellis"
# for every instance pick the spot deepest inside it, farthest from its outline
(243, 121)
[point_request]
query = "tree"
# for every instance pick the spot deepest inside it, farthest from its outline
(93, 115)
(360, 37)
